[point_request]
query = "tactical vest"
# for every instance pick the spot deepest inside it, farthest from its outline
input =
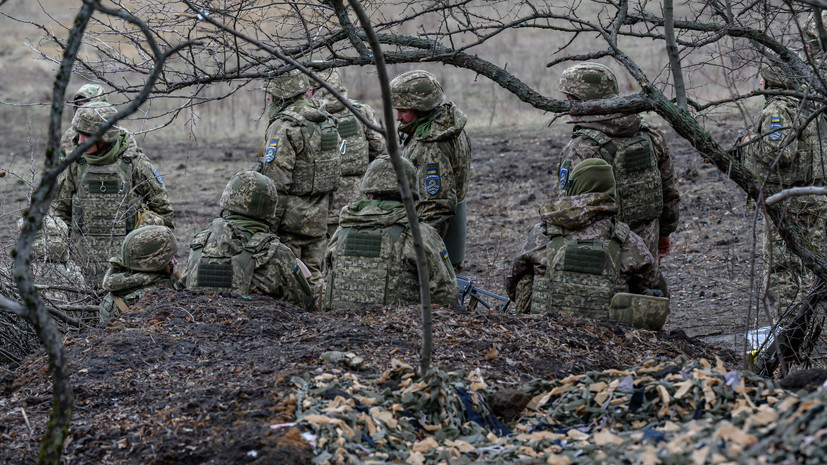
(354, 147)
(105, 202)
(210, 267)
(635, 166)
(316, 172)
(581, 276)
(367, 270)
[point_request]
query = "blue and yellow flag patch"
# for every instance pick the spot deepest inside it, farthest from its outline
(270, 152)
(431, 179)
(445, 255)
(297, 271)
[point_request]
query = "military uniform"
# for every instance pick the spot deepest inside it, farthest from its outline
(104, 196)
(143, 264)
(85, 94)
(371, 259)
(436, 144)
(239, 254)
(302, 158)
(361, 145)
(800, 162)
(51, 265)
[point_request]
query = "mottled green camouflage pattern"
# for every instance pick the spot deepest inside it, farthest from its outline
(619, 129)
(380, 178)
(252, 194)
(273, 268)
(585, 216)
(129, 286)
(91, 116)
(147, 249)
(416, 90)
(446, 148)
(640, 311)
(288, 85)
(50, 263)
(90, 93)
(776, 75)
(811, 32)
(589, 81)
(100, 220)
(50, 243)
(390, 277)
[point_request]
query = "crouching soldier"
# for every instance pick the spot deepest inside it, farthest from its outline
(371, 259)
(145, 263)
(51, 266)
(580, 259)
(239, 254)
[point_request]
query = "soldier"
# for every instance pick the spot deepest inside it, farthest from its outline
(144, 264)
(85, 94)
(647, 189)
(434, 140)
(51, 265)
(238, 252)
(580, 255)
(110, 191)
(371, 259)
(783, 152)
(301, 155)
(361, 145)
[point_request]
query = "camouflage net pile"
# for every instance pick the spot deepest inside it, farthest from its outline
(662, 412)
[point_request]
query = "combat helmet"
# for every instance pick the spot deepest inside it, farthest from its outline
(251, 194)
(147, 249)
(777, 75)
(92, 116)
(589, 81)
(288, 85)
(89, 93)
(380, 178)
(416, 90)
(51, 242)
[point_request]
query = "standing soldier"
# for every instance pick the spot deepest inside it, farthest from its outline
(434, 140)
(786, 153)
(361, 145)
(110, 191)
(144, 264)
(238, 252)
(85, 94)
(371, 258)
(647, 190)
(301, 156)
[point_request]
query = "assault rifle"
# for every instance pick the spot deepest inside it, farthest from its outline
(468, 289)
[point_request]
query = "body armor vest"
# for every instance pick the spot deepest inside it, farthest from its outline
(635, 166)
(355, 156)
(581, 276)
(214, 265)
(367, 270)
(316, 171)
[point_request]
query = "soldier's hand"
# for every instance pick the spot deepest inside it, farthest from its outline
(664, 246)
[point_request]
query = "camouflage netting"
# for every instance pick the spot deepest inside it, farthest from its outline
(662, 412)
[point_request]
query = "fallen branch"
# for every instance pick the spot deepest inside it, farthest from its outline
(795, 192)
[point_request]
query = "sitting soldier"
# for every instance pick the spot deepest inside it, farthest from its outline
(371, 259)
(580, 256)
(145, 263)
(51, 266)
(239, 254)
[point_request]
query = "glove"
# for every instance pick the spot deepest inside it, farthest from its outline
(664, 246)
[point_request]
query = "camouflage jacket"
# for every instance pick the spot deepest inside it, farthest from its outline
(800, 159)
(380, 214)
(275, 271)
(376, 141)
(146, 181)
(440, 150)
(623, 127)
(125, 287)
(584, 216)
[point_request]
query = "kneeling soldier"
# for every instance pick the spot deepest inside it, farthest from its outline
(239, 254)
(371, 259)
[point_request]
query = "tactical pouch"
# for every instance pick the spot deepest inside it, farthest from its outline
(354, 153)
(640, 311)
(319, 172)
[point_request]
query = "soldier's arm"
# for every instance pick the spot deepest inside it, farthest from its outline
(437, 186)
(283, 142)
(637, 265)
(577, 150)
(62, 205)
(525, 259)
(280, 267)
(670, 214)
(443, 281)
(775, 136)
(376, 142)
(150, 186)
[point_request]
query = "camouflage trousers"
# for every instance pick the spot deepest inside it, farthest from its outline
(523, 294)
(310, 250)
(303, 228)
(347, 192)
(786, 277)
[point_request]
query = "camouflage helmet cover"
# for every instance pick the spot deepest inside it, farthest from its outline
(90, 93)
(92, 116)
(50, 243)
(380, 177)
(251, 194)
(147, 249)
(589, 81)
(811, 31)
(332, 77)
(288, 85)
(416, 90)
(776, 75)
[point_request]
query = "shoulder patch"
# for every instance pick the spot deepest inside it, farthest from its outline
(270, 152)
(431, 180)
(157, 176)
(445, 255)
(775, 128)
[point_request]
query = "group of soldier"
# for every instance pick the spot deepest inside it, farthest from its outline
(319, 221)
